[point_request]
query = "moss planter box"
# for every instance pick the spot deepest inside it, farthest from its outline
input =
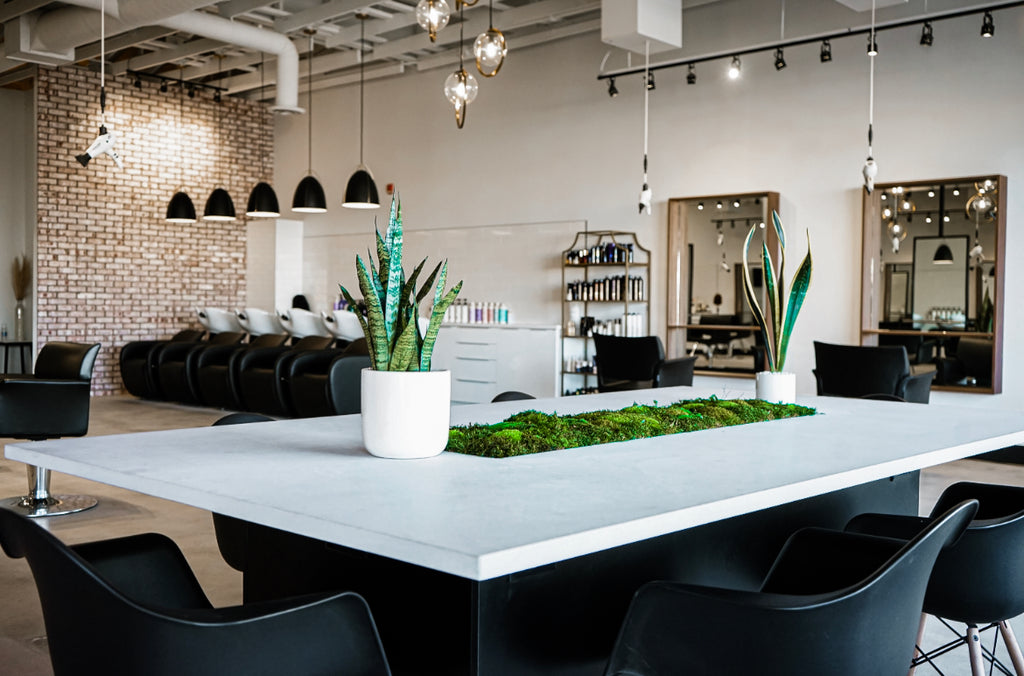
(534, 432)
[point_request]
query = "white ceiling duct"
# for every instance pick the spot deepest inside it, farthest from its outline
(64, 29)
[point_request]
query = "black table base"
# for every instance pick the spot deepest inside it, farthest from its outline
(560, 619)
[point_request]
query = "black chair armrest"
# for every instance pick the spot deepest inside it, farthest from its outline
(916, 388)
(174, 352)
(27, 406)
(817, 380)
(138, 349)
(312, 361)
(675, 372)
(217, 355)
(904, 527)
(260, 357)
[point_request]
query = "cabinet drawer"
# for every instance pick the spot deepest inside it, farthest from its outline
(472, 392)
(475, 349)
(483, 370)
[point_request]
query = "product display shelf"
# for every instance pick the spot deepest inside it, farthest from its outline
(605, 284)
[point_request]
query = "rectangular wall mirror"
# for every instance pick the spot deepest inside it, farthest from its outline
(707, 312)
(932, 277)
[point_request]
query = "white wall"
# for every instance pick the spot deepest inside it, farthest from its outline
(544, 142)
(17, 197)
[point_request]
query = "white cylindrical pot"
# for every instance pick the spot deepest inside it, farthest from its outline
(406, 414)
(777, 388)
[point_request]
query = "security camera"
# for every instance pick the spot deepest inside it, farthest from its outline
(103, 145)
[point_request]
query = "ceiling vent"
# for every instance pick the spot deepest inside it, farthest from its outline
(630, 24)
(17, 44)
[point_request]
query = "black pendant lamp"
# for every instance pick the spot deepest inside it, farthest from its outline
(262, 198)
(943, 255)
(180, 209)
(309, 194)
(219, 206)
(361, 191)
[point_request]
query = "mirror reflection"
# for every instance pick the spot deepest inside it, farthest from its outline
(708, 314)
(939, 261)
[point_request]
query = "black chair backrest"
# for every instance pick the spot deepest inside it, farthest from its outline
(976, 356)
(66, 361)
(344, 390)
(512, 395)
(187, 336)
(313, 343)
(268, 340)
(620, 358)
(856, 370)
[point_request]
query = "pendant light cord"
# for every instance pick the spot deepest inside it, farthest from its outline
(490, 14)
(362, 68)
(462, 24)
(103, 67)
(263, 156)
(871, 86)
(309, 107)
(181, 122)
(647, 92)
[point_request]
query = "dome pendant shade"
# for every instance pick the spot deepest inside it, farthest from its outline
(263, 202)
(309, 197)
(180, 209)
(219, 206)
(943, 255)
(361, 191)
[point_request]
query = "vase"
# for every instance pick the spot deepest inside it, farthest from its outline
(776, 387)
(19, 320)
(406, 414)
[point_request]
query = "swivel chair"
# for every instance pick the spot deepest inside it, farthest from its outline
(637, 363)
(979, 581)
(175, 367)
(138, 359)
(324, 382)
(133, 606)
(257, 386)
(834, 603)
(856, 370)
(216, 370)
(52, 403)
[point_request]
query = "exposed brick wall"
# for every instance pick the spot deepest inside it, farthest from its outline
(109, 268)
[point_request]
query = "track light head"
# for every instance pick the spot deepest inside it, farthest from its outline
(872, 45)
(163, 87)
(191, 92)
(650, 80)
(826, 51)
(734, 68)
(691, 75)
(988, 26)
(138, 82)
(927, 38)
(613, 91)
(216, 96)
(780, 60)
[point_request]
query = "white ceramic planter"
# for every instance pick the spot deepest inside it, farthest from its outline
(406, 414)
(777, 388)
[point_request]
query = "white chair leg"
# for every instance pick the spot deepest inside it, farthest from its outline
(1012, 647)
(917, 644)
(974, 649)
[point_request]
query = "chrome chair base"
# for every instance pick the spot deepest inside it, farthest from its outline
(53, 505)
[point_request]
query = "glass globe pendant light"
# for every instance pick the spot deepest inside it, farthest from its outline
(309, 195)
(432, 16)
(361, 191)
(490, 48)
(461, 88)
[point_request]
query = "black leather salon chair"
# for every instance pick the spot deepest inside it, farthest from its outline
(176, 366)
(324, 382)
(216, 370)
(968, 362)
(138, 360)
(132, 606)
(51, 403)
(858, 370)
(637, 363)
(512, 395)
(258, 386)
(834, 603)
(979, 581)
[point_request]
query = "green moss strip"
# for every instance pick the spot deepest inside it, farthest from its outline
(534, 432)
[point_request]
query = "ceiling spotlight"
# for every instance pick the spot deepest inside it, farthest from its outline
(736, 204)
(761, 225)
(734, 68)
(163, 87)
(931, 193)
(826, 51)
(432, 16)
(872, 45)
(700, 206)
(956, 192)
(884, 197)
(718, 205)
(945, 219)
(780, 60)
(191, 92)
(613, 91)
(988, 27)
(216, 96)
(138, 82)
(926, 34)
(650, 81)
(691, 75)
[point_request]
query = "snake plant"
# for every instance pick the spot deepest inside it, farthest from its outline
(781, 312)
(392, 303)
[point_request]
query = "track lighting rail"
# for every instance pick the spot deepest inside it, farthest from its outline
(155, 77)
(833, 35)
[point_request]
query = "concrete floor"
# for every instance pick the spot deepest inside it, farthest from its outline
(120, 512)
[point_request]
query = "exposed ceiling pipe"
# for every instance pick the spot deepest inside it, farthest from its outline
(73, 26)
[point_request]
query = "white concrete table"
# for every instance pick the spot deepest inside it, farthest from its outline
(484, 524)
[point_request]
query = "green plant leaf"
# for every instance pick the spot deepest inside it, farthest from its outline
(395, 273)
(801, 282)
(406, 356)
(755, 306)
(381, 352)
(359, 315)
(382, 256)
(436, 317)
(780, 232)
(428, 284)
(772, 290)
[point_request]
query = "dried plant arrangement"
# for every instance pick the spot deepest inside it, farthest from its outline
(21, 277)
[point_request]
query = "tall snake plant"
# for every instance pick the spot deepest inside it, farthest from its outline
(392, 303)
(780, 316)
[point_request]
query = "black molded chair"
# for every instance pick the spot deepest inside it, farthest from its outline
(324, 382)
(979, 581)
(52, 403)
(857, 370)
(133, 606)
(176, 367)
(512, 395)
(138, 360)
(969, 361)
(216, 370)
(258, 387)
(637, 363)
(834, 603)
(715, 339)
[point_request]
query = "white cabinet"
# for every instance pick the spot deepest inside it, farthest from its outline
(486, 360)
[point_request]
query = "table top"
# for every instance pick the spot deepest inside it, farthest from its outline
(480, 518)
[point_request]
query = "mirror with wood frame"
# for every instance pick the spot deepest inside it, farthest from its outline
(708, 314)
(932, 277)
